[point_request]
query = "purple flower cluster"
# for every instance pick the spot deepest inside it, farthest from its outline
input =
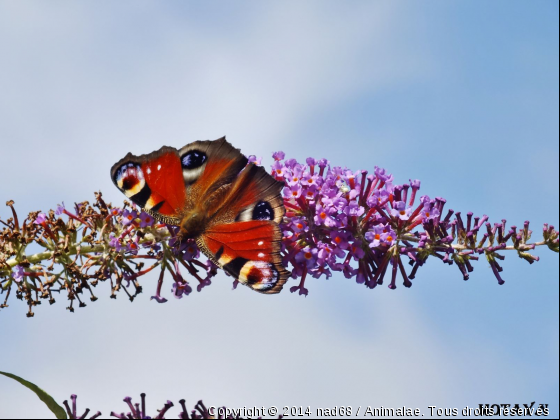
(364, 225)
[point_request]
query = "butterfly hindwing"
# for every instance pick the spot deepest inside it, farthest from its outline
(254, 195)
(209, 166)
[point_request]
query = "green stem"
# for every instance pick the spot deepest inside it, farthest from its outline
(158, 235)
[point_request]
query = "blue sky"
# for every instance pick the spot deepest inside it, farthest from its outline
(462, 95)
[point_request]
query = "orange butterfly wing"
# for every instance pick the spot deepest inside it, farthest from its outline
(219, 163)
(241, 203)
(244, 237)
(250, 252)
(154, 182)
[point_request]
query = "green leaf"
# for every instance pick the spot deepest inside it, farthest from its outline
(57, 410)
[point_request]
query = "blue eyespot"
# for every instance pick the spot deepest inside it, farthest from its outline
(193, 159)
(263, 211)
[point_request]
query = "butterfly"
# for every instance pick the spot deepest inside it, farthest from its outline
(230, 207)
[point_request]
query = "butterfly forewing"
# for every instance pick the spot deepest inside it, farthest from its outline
(250, 252)
(154, 182)
(243, 233)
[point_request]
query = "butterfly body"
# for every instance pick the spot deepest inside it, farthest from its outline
(231, 208)
(193, 224)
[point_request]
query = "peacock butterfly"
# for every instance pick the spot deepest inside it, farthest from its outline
(208, 189)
